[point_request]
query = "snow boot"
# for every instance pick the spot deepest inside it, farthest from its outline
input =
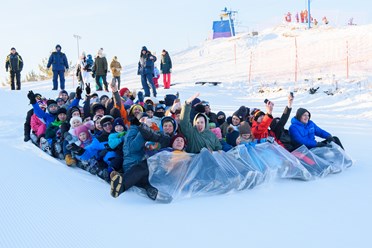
(26, 138)
(70, 161)
(44, 145)
(116, 183)
(152, 193)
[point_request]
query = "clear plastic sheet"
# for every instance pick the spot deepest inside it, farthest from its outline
(183, 175)
(279, 161)
(334, 155)
(321, 161)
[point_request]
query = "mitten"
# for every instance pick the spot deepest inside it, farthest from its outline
(330, 139)
(320, 144)
(76, 149)
(87, 88)
(31, 96)
(78, 92)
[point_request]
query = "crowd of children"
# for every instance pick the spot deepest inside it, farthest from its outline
(112, 137)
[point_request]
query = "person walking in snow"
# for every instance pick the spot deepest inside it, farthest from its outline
(100, 70)
(59, 62)
(14, 64)
(146, 70)
(166, 68)
(116, 68)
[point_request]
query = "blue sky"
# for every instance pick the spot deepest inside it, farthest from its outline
(123, 27)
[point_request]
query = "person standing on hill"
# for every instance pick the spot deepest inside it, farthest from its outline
(115, 67)
(59, 62)
(146, 70)
(14, 63)
(166, 68)
(100, 70)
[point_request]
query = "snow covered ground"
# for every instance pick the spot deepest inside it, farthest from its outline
(44, 203)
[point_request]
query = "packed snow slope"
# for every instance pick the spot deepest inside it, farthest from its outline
(44, 203)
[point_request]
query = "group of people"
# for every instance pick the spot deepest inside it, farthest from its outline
(113, 137)
(88, 68)
(304, 18)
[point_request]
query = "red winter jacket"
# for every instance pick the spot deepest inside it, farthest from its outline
(260, 130)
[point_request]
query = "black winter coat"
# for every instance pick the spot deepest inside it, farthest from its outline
(14, 62)
(165, 64)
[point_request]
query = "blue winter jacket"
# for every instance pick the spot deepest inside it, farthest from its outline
(92, 150)
(304, 134)
(134, 147)
(58, 60)
(47, 117)
(148, 66)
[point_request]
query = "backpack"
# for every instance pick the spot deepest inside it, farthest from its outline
(89, 63)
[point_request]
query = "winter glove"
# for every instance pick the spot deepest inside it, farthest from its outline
(320, 144)
(31, 96)
(76, 149)
(131, 97)
(87, 88)
(121, 134)
(330, 139)
(93, 74)
(78, 92)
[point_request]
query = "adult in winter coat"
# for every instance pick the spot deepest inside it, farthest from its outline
(146, 70)
(58, 60)
(83, 69)
(303, 131)
(199, 135)
(116, 68)
(14, 64)
(166, 68)
(100, 70)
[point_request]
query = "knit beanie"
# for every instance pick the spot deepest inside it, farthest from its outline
(300, 112)
(257, 114)
(244, 128)
(82, 129)
(122, 91)
(175, 137)
(72, 120)
(119, 121)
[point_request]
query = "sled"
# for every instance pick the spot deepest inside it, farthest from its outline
(205, 82)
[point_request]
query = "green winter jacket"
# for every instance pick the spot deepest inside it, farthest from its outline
(100, 66)
(195, 140)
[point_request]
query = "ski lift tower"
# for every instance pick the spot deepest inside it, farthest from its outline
(225, 26)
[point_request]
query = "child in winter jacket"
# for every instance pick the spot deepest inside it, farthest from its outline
(38, 126)
(262, 121)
